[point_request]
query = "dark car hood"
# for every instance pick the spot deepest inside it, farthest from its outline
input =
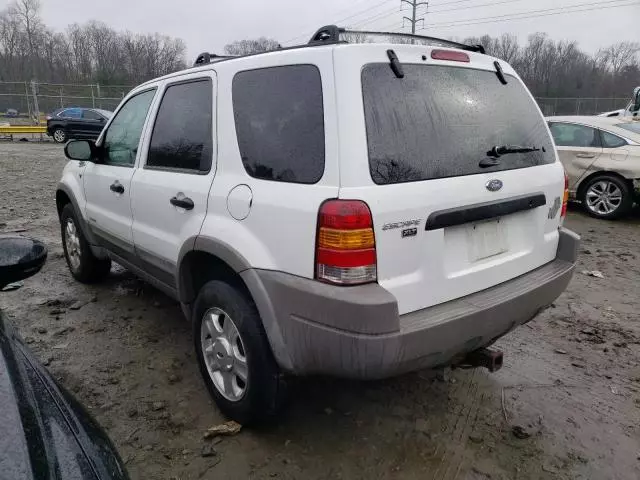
(44, 432)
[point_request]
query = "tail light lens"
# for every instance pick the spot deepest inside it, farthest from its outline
(345, 245)
(451, 55)
(565, 198)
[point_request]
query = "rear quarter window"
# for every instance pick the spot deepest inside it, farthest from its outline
(279, 119)
(441, 121)
(574, 135)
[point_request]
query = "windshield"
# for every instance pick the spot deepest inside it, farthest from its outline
(441, 121)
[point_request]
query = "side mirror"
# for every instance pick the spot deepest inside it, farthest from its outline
(636, 100)
(20, 258)
(79, 150)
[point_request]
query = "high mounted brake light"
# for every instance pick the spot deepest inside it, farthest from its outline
(345, 245)
(451, 55)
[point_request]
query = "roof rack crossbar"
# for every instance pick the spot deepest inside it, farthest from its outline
(206, 57)
(331, 34)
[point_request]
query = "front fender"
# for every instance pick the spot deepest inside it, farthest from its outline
(72, 185)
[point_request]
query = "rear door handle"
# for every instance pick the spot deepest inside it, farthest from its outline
(585, 155)
(117, 187)
(185, 203)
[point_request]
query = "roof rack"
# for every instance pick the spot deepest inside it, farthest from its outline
(205, 58)
(333, 34)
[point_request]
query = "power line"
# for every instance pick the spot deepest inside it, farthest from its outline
(311, 30)
(528, 14)
(473, 6)
(378, 16)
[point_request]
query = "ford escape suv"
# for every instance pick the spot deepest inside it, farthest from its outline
(352, 210)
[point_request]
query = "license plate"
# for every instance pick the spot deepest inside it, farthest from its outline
(486, 239)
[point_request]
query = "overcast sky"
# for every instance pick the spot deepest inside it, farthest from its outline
(207, 25)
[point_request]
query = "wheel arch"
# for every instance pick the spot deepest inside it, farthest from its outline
(203, 259)
(585, 181)
(62, 199)
(65, 196)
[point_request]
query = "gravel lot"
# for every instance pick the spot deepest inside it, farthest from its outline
(570, 385)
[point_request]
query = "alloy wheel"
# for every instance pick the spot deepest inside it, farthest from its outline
(72, 242)
(224, 354)
(59, 136)
(603, 197)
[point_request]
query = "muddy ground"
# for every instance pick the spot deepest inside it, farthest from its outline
(570, 385)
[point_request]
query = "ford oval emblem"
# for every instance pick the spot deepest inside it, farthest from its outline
(494, 185)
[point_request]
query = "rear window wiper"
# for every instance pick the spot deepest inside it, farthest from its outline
(500, 150)
(395, 64)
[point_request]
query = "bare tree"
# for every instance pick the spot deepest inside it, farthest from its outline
(90, 53)
(247, 47)
(507, 48)
(27, 13)
(616, 57)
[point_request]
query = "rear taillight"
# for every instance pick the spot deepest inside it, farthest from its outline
(345, 245)
(565, 197)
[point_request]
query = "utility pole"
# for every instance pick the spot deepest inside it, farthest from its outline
(414, 4)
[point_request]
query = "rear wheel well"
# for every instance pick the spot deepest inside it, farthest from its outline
(198, 268)
(62, 199)
(585, 182)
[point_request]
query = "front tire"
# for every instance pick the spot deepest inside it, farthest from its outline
(83, 264)
(59, 135)
(607, 197)
(233, 354)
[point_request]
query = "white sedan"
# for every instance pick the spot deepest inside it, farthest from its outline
(601, 156)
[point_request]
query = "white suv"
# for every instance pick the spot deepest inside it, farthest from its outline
(352, 210)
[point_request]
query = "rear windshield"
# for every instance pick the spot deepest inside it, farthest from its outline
(439, 122)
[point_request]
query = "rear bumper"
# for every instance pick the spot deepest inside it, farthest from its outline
(356, 332)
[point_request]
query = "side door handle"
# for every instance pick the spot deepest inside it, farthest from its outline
(184, 202)
(117, 187)
(585, 155)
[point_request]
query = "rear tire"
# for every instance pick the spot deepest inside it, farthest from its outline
(59, 135)
(230, 344)
(83, 264)
(607, 197)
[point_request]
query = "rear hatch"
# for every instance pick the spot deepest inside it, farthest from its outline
(450, 218)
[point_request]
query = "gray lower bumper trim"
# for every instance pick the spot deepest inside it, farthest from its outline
(426, 338)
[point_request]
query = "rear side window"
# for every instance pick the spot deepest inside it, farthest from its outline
(632, 127)
(572, 135)
(91, 115)
(440, 121)
(279, 120)
(609, 140)
(182, 135)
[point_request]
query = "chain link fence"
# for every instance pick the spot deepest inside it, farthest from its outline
(29, 102)
(579, 106)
